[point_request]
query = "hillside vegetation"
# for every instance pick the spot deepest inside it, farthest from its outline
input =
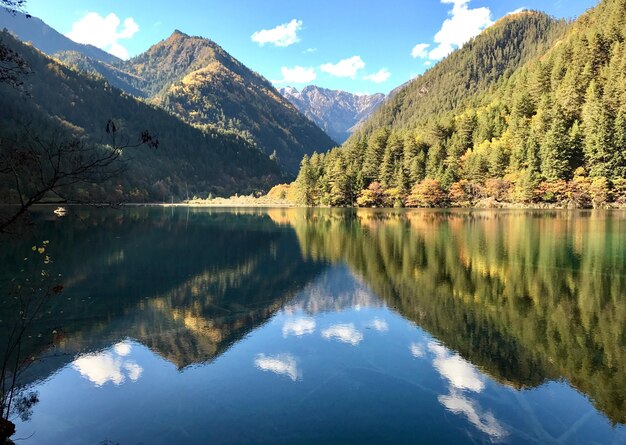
(533, 110)
(63, 104)
(197, 80)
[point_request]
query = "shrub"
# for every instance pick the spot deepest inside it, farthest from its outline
(552, 191)
(599, 191)
(279, 192)
(579, 190)
(394, 197)
(465, 193)
(497, 188)
(373, 196)
(427, 193)
(619, 191)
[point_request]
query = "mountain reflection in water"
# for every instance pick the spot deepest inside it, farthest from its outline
(293, 325)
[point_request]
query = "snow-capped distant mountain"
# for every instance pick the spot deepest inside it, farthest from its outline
(338, 113)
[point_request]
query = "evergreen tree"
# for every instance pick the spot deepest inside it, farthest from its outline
(512, 116)
(374, 155)
(306, 183)
(596, 122)
(555, 150)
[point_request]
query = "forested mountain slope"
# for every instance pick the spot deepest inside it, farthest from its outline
(460, 78)
(532, 110)
(63, 104)
(201, 83)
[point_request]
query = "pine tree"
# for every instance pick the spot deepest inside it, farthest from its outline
(596, 123)
(374, 155)
(306, 183)
(617, 165)
(340, 191)
(555, 150)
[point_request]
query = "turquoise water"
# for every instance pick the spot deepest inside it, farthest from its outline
(326, 326)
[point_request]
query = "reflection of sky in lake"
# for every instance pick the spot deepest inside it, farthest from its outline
(345, 333)
(464, 379)
(281, 364)
(319, 368)
(111, 365)
(299, 326)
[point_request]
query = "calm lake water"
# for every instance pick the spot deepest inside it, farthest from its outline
(290, 326)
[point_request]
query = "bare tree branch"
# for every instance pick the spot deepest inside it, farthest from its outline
(40, 166)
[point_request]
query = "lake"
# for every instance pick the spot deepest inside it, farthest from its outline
(288, 326)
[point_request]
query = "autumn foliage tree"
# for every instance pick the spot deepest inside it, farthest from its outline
(372, 196)
(427, 193)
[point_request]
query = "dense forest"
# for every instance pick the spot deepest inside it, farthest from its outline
(57, 103)
(533, 110)
(198, 81)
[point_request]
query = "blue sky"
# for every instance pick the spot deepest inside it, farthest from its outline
(354, 45)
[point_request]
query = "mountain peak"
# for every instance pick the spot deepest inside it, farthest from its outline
(179, 33)
(288, 90)
(520, 15)
(336, 112)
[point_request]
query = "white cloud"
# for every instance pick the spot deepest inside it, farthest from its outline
(460, 373)
(109, 366)
(281, 364)
(428, 63)
(484, 421)
(463, 24)
(344, 68)
(379, 77)
(420, 50)
(309, 51)
(378, 325)
(299, 327)
(345, 333)
(297, 74)
(104, 32)
(282, 35)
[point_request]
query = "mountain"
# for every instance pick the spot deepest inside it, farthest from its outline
(475, 68)
(195, 79)
(116, 76)
(338, 113)
(47, 39)
(63, 103)
(531, 111)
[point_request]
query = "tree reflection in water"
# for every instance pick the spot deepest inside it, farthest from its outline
(520, 297)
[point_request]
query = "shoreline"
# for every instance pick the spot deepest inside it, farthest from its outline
(282, 205)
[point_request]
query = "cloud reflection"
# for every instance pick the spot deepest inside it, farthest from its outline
(379, 325)
(484, 421)
(463, 377)
(299, 327)
(109, 366)
(122, 348)
(417, 351)
(345, 333)
(460, 373)
(281, 364)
